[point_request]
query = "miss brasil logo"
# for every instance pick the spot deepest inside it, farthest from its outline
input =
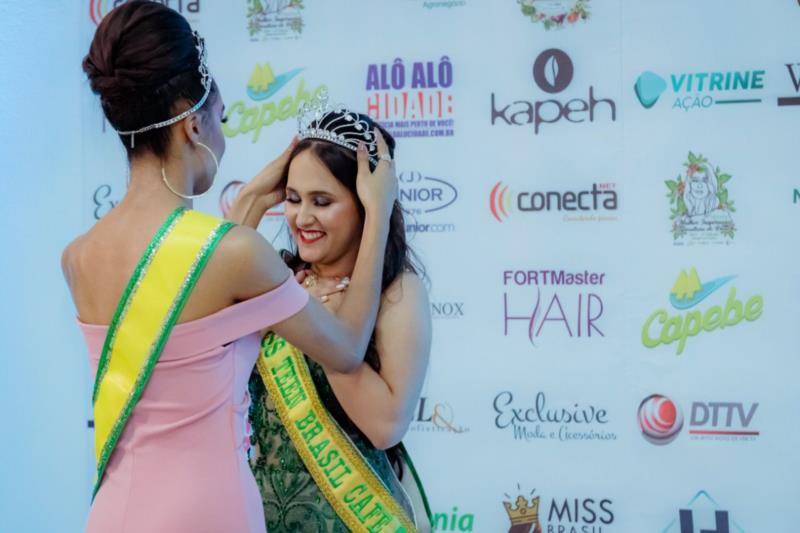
(687, 293)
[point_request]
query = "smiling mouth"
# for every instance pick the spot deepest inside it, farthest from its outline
(309, 236)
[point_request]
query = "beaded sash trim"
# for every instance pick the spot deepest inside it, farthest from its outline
(150, 305)
(351, 486)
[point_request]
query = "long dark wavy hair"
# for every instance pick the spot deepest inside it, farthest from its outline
(399, 256)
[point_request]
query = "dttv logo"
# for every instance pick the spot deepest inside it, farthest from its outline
(660, 419)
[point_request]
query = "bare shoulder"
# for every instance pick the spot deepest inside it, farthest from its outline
(407, 291)
(249, 260)
(70, 255)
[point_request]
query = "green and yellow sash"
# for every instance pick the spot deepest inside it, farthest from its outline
(145, 316)
(359, 497)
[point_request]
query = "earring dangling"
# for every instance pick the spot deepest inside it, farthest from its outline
(193, 196)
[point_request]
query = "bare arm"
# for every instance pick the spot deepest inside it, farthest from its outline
(382, 403)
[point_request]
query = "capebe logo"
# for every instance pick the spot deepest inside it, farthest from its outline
(262, 86)
(687, 293)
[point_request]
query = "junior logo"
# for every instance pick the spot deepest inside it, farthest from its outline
(688, 319)
(701, 209)
(700, 90)
(263, 89)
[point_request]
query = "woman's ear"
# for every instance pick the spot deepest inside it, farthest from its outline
(191, 127)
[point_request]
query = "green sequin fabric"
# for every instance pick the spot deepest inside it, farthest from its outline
(292, 501)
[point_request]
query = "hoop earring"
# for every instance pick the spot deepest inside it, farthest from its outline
(193, 196)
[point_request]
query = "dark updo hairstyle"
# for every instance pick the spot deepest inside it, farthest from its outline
(143, 63)
(342, 163)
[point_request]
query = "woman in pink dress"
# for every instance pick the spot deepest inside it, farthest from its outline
(177, 461)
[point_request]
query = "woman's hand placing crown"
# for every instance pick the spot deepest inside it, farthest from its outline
(377, 190)
(262, 193)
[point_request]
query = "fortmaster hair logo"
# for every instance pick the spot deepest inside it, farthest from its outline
(555, 13)
(701, 209)
(263, 88)
(269, 20)
(689, 320)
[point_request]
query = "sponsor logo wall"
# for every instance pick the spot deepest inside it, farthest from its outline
(599, 193)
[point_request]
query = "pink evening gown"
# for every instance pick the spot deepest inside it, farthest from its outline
(180, 465)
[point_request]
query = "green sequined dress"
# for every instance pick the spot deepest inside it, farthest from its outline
(292, 501)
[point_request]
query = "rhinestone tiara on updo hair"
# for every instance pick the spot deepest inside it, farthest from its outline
(316, 119)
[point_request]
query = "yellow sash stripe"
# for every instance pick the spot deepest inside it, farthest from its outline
(353, 489)
(147, 315)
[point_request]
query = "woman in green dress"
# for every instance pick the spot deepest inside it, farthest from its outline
(305, 484)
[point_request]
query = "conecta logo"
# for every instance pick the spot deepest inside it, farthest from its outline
(687, 293)
(503, 202)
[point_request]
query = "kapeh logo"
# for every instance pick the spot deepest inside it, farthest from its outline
(274, 19)
(412, 100)
(553, 72)
(555, 13)
(686, 295)
(703, 508)
(661, 420)
(595, 204)
(701, 90)
(557, 303)
(435, 417)
(455, 520)
(530, 513)
(424, 199)
(100, 8)
(264, 111)
(701, 209)
(794, 75)
(539, 421)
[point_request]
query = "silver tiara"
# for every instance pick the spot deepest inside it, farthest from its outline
(336, 124)
(205, 79)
